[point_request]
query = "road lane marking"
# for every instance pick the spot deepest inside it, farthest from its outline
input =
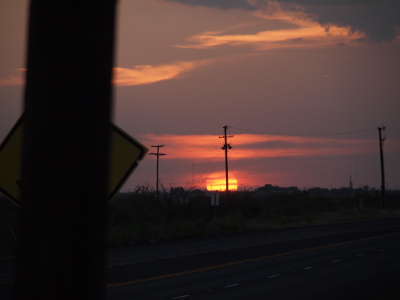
(360, 255)
(273, 276)
(308, 268)
(180, 297)
(242, 261)
(335, 261)
(218, 250)
(232, 285)
(382, 250)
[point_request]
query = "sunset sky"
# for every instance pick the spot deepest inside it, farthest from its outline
(302, 84)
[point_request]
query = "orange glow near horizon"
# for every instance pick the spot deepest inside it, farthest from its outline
(217, 182)
(250, 146)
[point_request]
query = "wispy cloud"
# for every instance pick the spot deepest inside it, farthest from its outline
(378, 20)
(305, 33)
(147, 74)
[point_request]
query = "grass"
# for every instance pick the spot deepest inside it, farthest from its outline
(148, 220)
(139, 217)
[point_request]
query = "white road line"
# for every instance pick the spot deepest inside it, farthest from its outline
(232, 285)
(360, 254)
(180, 297)
(335, 261)
(273, 276)
(382, 250)
(308, 268)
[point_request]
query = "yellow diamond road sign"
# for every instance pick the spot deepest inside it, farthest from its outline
(124, 157)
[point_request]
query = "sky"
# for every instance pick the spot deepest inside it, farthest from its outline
(302, 85)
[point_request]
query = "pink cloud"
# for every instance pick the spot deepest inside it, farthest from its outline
(251, 146)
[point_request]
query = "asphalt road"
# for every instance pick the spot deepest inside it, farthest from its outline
(347, 261)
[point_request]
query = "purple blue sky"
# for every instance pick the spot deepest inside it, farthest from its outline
(302, 85)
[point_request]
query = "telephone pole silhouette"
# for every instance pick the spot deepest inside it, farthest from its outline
(158, 155)
(381, 140)
(226, 147)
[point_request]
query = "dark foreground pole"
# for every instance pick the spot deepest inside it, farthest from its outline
(61, 231)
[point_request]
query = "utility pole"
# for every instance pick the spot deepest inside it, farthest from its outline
(193, 174)
(226, 147)
(158, 155)
(381, 140)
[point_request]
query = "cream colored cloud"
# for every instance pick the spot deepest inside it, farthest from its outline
(147, 74)
(305, 34)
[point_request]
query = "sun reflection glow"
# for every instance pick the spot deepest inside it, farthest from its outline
(217, 182)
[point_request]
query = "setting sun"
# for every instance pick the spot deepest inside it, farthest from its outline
(217, 182)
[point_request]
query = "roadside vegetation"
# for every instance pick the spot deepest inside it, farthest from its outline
(141, 217)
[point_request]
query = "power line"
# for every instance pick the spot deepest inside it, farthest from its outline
(321, 158)
(173, 182)
(208, 162)
(311, 134)
(212, 169)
